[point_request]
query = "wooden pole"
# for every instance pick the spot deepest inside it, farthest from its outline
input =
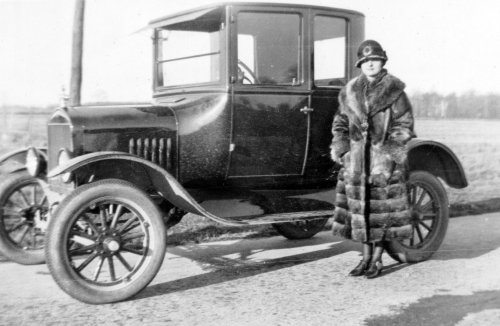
(77, 54)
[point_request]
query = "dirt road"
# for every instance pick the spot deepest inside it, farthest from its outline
(275, 281)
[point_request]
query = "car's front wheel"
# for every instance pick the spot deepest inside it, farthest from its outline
(106, 242)
(429, 219)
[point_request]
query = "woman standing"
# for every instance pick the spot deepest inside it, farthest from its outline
(370, 132)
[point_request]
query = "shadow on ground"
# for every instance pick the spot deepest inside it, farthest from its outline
(470, 237)
(440, 310)
(467, 238)
(475, 208)
(223, 269)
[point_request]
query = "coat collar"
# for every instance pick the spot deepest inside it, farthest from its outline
(378, 95)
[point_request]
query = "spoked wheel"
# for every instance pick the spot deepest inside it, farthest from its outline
(300, 229)
(429, 219)
(23, 215)
(106, 242)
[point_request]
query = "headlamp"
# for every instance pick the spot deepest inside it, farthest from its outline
(63, 157)
(34, 162)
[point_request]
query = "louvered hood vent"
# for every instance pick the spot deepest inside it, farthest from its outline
(156, 150)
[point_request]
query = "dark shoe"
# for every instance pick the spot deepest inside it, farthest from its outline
(374, 269)
(360, 269)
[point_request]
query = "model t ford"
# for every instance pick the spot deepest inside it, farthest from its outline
(239, 132)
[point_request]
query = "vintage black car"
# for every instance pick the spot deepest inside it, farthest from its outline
(239, 131)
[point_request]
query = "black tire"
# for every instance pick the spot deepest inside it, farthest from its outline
(24, 207)
(301, 229)
(106, 242)
(429, 213)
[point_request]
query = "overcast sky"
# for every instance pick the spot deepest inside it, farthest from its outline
(441, 45)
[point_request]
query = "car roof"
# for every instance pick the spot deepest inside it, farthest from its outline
(213, 6)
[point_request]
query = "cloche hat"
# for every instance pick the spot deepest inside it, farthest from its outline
(370, 49)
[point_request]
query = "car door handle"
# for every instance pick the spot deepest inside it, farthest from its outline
(306, 110)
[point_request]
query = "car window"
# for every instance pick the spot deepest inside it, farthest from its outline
(269, 48)
(189, 51)
(329, 51)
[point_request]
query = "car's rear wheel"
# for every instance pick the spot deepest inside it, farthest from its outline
(106, 242)
(23, 210)
(429, 219)
(300, 229)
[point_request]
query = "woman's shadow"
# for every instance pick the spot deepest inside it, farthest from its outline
(467, 237)
(470, 237)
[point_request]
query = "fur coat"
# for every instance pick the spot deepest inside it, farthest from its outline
(371, 129)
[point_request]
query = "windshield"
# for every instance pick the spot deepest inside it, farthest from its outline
(188, 52)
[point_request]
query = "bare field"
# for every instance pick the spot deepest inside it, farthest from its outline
(475, 142)
(477, 145)
(21, 130)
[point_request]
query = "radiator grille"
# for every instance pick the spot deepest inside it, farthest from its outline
(156, 150)
(59, 137)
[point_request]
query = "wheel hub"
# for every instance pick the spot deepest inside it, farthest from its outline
(32, 212)
(111, 244)
(415, 215)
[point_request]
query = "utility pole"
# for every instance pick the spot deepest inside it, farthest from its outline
(76, 54)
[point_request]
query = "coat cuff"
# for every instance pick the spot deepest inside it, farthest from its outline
(397, 151)
(338, 149)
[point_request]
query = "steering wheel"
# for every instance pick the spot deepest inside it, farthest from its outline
(244, 71)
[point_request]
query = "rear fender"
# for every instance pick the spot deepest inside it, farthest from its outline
(121, 164)
(437, 159)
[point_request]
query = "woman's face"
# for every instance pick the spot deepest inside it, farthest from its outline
(372, 67)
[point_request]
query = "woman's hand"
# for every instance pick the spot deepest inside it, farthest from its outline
(345, 158)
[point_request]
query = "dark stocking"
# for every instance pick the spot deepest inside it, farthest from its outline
(375, 267)
(367, 251)
(378, 251)
(364, 263)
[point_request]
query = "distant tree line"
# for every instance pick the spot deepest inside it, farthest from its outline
(468, 105)
(27, 109)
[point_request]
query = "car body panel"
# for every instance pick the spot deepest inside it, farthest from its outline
(216, 204)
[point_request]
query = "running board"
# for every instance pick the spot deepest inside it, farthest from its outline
(274, 218)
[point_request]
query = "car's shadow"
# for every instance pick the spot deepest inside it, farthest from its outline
(227, 261)
(234, 260)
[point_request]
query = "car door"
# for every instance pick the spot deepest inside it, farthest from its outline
(269, 93)
(329, 61)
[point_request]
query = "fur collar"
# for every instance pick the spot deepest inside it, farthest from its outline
(379, 95)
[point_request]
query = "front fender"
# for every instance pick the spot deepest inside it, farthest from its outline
(437, 159)
(15, 161)
(19, 155)
(159, 178)
(9, 167)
